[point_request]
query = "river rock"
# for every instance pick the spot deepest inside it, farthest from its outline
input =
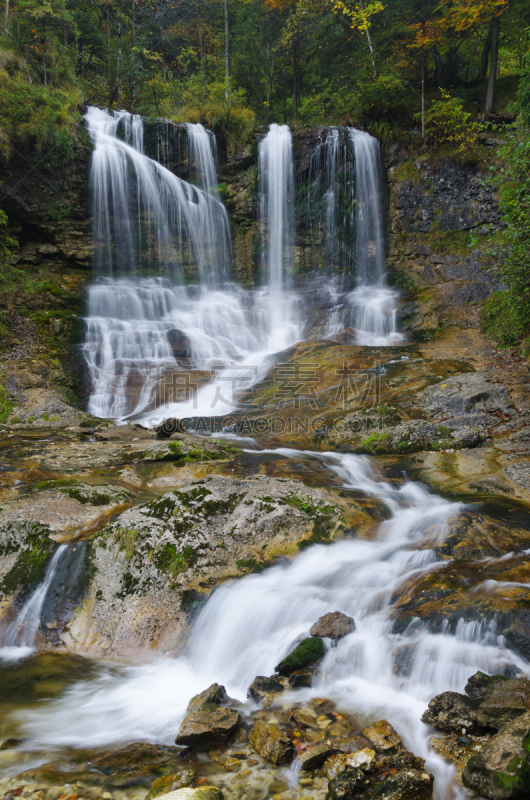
(261, 686)
(349, 784)
(504, 701)
(300, 678)
(502, 768)
(168, 427)
(452, 712)
(410, 784)
(361, 759)
(209, 727)
(271, 743)
(214, 694)
(169, 783)
(200, 793)
(353, 744)
(314, 757)
(383, 736)
(179, 343)
(305, 653)
(334, 625)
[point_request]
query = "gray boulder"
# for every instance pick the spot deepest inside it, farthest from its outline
(334, 625)
(470, 393)
(453, 713)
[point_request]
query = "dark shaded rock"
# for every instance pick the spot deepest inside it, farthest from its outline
(168, 783)
(502, 768)
(307, 652)
(478, 683)
(136, 762)
(403, 759)
(262, 686)
(382, 736)
(271, 743)
(211, 726)
(348, 785)
(453, 713)
(179, 343)
(314, 757)
(504, 701)
(301, 677)
(410, 784)
(168, 427)
(334, 625)
(214, 694)
(354, 744)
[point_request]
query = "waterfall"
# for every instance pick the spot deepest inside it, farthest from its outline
(20, 638)
(374, 305)
(276, 203)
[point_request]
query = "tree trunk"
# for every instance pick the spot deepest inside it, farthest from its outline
(6, 28)
(485, 56)
(495, 34)
(227, 49)
(372, 56)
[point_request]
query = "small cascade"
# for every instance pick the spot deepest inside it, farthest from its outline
(276, 202)
(20, 638)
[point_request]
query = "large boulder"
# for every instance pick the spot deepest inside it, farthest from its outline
(307, 652)
(478, 684)
(502, 768)
(504, 701)
(209, 727)
(470, 393)
(334, 625)
(215, 694)
(452, 712)
(271, 743)
(410, 784)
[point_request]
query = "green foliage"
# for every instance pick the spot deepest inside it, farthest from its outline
(6, 241)
(446, 120)
(505, 316)
(380, 97)
(6, 406)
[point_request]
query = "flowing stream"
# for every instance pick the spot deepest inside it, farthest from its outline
(247, 626)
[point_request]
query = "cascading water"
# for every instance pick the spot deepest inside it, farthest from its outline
(147, 218)
(246, 627)
(276, 200)
(374, 304)
(20, 638)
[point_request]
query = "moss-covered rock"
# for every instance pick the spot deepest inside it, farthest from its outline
(307, 652)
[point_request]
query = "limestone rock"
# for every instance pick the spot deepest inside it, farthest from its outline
(383, 736)
(502, 768)
(305, 653)
(314, 757)
(261, 686)
(452, 712)
(214, 694)
(471, 393)
(200, 793)
(169, 783)
(504, 701)
(271, 743)
(208, 727)
(334, 625)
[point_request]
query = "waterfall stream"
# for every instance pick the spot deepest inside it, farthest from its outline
(20, 638)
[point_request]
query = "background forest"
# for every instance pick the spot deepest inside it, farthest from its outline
(428, 74)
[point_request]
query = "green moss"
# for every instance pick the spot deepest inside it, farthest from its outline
(249, 565)
(444, 431)
(308, 507)
(375, 443)
(32, 556)
(170, 561)
(307, 652)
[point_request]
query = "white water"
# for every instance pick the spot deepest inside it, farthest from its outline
(249, 625)
(144, 216)
(20, 638)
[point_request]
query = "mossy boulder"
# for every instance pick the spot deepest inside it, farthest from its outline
(271, 743)
(307, 652)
